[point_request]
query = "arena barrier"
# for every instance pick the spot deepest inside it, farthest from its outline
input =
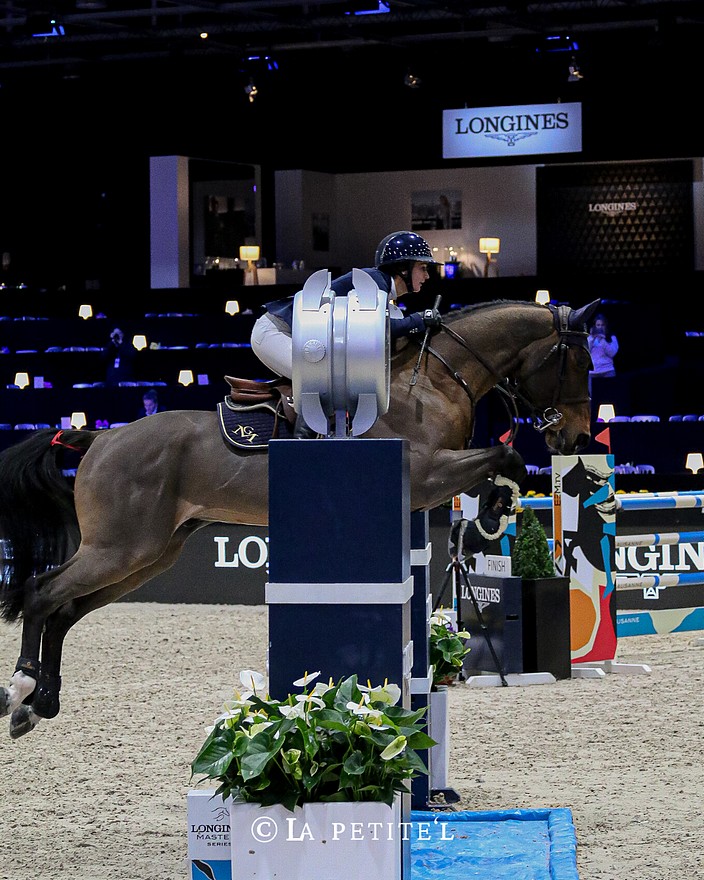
(654, 602)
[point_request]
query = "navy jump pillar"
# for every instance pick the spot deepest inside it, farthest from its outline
(340, 585)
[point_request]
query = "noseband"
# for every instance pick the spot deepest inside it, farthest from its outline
(568, 337)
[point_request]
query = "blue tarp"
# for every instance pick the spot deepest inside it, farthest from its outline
(502, 845)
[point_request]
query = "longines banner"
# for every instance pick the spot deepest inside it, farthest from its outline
(523, 130)
(624, 217)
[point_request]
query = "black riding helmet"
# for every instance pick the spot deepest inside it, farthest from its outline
(400, 247)
(396, 253)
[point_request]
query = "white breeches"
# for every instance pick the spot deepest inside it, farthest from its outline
(272, 345)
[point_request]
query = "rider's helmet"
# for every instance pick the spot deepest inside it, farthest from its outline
(402, 247)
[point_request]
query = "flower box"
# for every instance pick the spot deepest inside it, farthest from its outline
(319, 841)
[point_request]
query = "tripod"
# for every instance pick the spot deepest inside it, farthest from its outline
(459, 569)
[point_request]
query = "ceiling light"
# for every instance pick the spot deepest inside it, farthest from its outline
(412, 81)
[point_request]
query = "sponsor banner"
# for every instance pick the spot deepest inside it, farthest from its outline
(682, 557)
(209, 847)
(520, 130)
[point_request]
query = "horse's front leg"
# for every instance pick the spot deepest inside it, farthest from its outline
(436, 478)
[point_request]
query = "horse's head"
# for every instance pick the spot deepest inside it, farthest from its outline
(553, 378)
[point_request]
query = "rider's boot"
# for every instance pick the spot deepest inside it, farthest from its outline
(303, 431)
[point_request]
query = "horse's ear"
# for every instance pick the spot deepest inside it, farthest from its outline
(580, 318)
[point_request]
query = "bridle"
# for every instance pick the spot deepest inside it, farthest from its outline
(511, 395)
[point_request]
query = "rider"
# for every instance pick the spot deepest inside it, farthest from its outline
(400, 266)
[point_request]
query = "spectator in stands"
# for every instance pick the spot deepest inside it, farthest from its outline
(119, 356)
(150, 399)
(603, 347)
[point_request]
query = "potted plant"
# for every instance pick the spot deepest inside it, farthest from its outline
(531, 557)
(312, 770)
(545, 600)
(447, 649)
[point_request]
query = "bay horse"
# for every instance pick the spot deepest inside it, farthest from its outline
(141, 489)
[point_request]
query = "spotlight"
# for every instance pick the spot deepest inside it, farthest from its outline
(575, 73)
(412, 81)
(251, 90)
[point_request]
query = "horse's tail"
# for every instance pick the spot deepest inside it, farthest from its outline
(38, 524)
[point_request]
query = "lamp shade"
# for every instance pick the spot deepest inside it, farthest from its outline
(606, 412)
(85, 311)
(78, 420)
(489, 245)
(249, 252)
(232, 307)
(542, 297)
(695, 462)
(22, 380)
(185, 377)
(139, 341)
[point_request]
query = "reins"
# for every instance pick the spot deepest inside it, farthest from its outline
(510, 394)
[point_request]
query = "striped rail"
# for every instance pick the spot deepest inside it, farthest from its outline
(631, 623)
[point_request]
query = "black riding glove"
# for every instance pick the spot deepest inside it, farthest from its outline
(432, 318)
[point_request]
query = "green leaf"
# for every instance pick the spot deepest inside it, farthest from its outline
(258, 755)
(213, 759)
(354, 764)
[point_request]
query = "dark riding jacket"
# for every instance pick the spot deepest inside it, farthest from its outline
(406, 325)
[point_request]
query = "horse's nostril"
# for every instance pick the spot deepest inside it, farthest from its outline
(582, 442)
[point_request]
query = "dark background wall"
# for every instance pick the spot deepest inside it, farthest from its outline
(76, 143)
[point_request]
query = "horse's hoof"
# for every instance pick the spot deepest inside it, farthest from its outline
(4, 703)
(22, 721)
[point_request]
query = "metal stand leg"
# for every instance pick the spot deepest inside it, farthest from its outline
(460, 568)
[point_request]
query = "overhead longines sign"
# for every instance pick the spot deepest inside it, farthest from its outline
(512, 131)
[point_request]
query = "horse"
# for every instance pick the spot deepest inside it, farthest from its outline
(142, 489)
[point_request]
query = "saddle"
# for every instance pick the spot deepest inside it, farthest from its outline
(255, 412)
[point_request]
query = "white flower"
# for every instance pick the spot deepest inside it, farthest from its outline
(386, 693)
(360, 708)
(394, 748)
(308, 677)
(255, 681)
(310, 700)
(320, 688)
(296, 711)
(258, 723)
(372, 717)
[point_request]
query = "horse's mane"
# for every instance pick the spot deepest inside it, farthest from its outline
(458, 314)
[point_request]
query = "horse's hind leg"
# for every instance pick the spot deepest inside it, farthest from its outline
(45, 699)
(24, 680)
